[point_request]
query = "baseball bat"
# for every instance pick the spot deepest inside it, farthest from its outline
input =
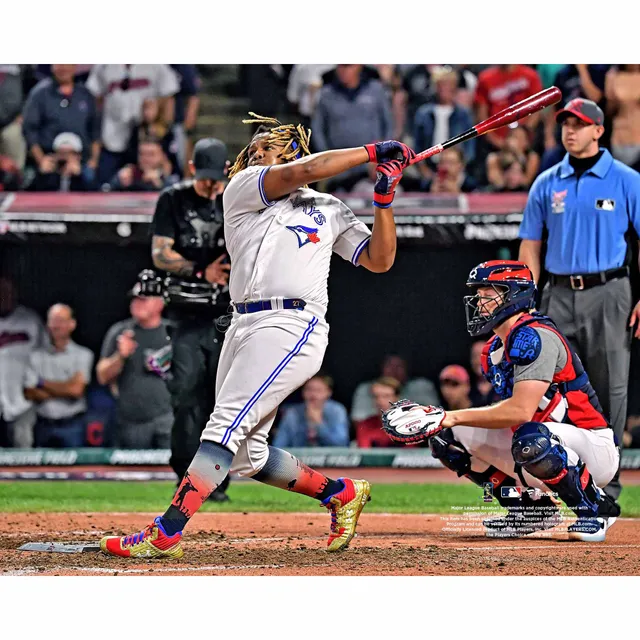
(515, 112)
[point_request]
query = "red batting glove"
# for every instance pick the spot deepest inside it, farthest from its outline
(387, 177)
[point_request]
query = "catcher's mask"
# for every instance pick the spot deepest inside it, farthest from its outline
(515, 291)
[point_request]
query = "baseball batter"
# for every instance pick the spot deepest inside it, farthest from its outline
(280, 236)
(548, 432)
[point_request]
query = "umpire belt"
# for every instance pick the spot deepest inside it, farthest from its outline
(588, 280)
(269, 305)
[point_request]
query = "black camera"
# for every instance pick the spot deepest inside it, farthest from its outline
(149, 283)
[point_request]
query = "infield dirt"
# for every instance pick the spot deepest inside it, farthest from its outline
(292, 544)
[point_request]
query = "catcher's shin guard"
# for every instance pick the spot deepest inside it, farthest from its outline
(524, 514)
(540, 454)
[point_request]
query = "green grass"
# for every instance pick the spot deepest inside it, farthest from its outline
(34, 496)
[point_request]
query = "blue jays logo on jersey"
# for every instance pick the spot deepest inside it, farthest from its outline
(305, 235)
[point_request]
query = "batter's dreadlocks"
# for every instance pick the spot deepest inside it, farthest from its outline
(295, 139)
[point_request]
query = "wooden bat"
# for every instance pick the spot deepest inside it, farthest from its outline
(515, 112)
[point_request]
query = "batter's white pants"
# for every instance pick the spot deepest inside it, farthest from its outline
(265, 357)
(595, 447)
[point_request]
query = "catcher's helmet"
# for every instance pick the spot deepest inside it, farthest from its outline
(516, 289)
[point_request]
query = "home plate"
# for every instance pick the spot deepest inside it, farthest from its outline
(59, 547)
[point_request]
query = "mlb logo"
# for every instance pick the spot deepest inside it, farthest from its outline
(557, 201)
(511, 492)
(606, 204)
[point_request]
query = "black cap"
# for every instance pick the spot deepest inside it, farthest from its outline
(586, 110)
(210, 159)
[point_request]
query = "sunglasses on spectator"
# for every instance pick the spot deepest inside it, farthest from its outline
(450, 383)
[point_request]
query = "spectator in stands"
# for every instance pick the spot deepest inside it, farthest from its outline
(21, 331)
(451, 175)
(10, 175)
(63, 170)
(316, 422)
(265, 85)
(353, 109)
(60, 105)
(482, 393)
(416, 89)
(548, 73)
(467, 83)
(455, 388)
(441, 119)
(622, 91)
(153, 126)
(187, 105)
(12, 143)
(515, 166)
(305, 82)
(498, 88)
(420, 390)
(121, 90)
(56, 381)
(369, 431)
(81, 73)
(135, 361)
(574, 81)
(151, 173)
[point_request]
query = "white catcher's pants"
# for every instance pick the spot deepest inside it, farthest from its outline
(595, 447)
(265, 357)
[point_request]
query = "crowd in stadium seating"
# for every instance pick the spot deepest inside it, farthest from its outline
(427, 104)
(131, 124)
(66, 127)
(46, 398)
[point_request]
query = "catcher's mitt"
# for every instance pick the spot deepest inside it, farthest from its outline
(407, 422)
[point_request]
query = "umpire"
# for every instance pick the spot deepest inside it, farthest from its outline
(587, 203)
(188, 243)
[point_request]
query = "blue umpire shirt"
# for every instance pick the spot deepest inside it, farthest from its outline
(587, 218)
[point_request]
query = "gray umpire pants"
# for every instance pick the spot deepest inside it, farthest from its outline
(595, 321)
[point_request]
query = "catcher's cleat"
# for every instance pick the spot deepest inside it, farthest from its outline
(590, 529)
(346, 507)
(518, 522)
(151, 542)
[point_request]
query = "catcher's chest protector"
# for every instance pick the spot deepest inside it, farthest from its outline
(572, 382)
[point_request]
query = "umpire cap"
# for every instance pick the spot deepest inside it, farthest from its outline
(586, 110)
(210, 159)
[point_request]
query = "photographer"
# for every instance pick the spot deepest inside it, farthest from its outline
(188, 244)
(451, 176)
(63, 170)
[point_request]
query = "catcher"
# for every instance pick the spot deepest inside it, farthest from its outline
(548, 432)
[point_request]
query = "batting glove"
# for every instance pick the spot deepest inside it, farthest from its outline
(387, 177)
(381, 152)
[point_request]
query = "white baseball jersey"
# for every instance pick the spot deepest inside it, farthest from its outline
(278, 250)
(283, 248)
(20, 333)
